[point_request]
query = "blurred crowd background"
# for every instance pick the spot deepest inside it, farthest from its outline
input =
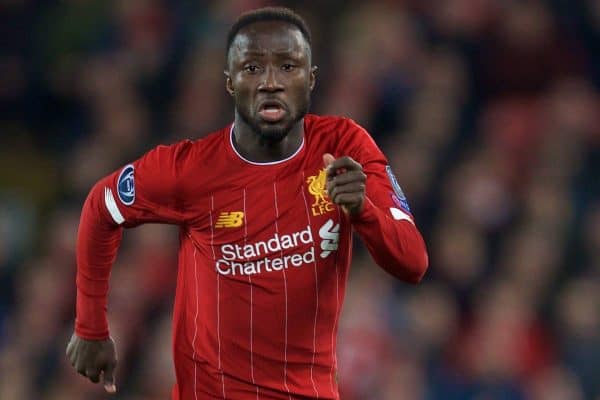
(488, 110)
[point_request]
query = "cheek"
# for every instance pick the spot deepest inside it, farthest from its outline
(242, 94)
(300, 87)
(242, 85)
(302, 93)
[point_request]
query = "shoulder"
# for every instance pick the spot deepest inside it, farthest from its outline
(343, 136)
(191, 151)
(339, 126)
(343, 130)
(329, 122)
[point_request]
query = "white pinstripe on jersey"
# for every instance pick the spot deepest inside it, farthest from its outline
(195, 326)
(312, 365)
(286, 298)
(337, 308)
(212, 239)
(251, 301)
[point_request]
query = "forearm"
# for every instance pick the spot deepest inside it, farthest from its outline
(98, 240)
(395, 245)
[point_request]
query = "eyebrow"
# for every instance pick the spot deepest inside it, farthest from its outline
(262, 53)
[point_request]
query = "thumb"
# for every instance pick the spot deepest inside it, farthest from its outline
(109, 378)
(327, 159)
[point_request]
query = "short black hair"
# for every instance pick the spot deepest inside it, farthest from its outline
(267, 14)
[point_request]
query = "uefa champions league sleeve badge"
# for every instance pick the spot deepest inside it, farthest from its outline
(126, 185)
(399, 198)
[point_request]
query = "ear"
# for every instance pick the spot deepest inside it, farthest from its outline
(228, 83)
(313, 76)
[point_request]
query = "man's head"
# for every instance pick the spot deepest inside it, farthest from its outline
(269, 71)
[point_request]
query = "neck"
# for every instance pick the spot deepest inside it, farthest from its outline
(253, 147)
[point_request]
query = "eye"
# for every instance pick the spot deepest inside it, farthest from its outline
(251, 68)
(288, 67)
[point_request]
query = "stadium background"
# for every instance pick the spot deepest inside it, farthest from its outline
(488, 110)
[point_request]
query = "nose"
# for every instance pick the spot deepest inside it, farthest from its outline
(271, 81)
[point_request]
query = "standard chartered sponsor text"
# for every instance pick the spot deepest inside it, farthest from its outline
(266, 255)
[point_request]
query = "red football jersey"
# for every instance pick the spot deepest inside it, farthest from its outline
(263, 259)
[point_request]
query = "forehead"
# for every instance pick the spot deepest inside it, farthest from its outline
(269, 36)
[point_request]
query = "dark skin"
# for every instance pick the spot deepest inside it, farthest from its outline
(269, 62)
(270, 77)
(272, 61)
(94, 359)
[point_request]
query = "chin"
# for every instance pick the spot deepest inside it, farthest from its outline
(274, 132)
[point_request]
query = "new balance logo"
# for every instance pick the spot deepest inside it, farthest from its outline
(230, 219)
(330, 234)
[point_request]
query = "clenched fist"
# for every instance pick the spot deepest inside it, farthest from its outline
(94, 359)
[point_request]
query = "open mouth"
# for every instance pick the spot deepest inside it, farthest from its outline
(271, 111)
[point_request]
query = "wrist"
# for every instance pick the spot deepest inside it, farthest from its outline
(91, 321)
(365, 214)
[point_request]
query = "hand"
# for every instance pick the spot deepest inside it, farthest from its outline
(345, 183)
(92, 358)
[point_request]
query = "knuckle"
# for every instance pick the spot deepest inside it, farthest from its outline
(353, 161)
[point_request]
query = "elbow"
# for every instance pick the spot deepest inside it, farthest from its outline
(410, 270)
(416, 268)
